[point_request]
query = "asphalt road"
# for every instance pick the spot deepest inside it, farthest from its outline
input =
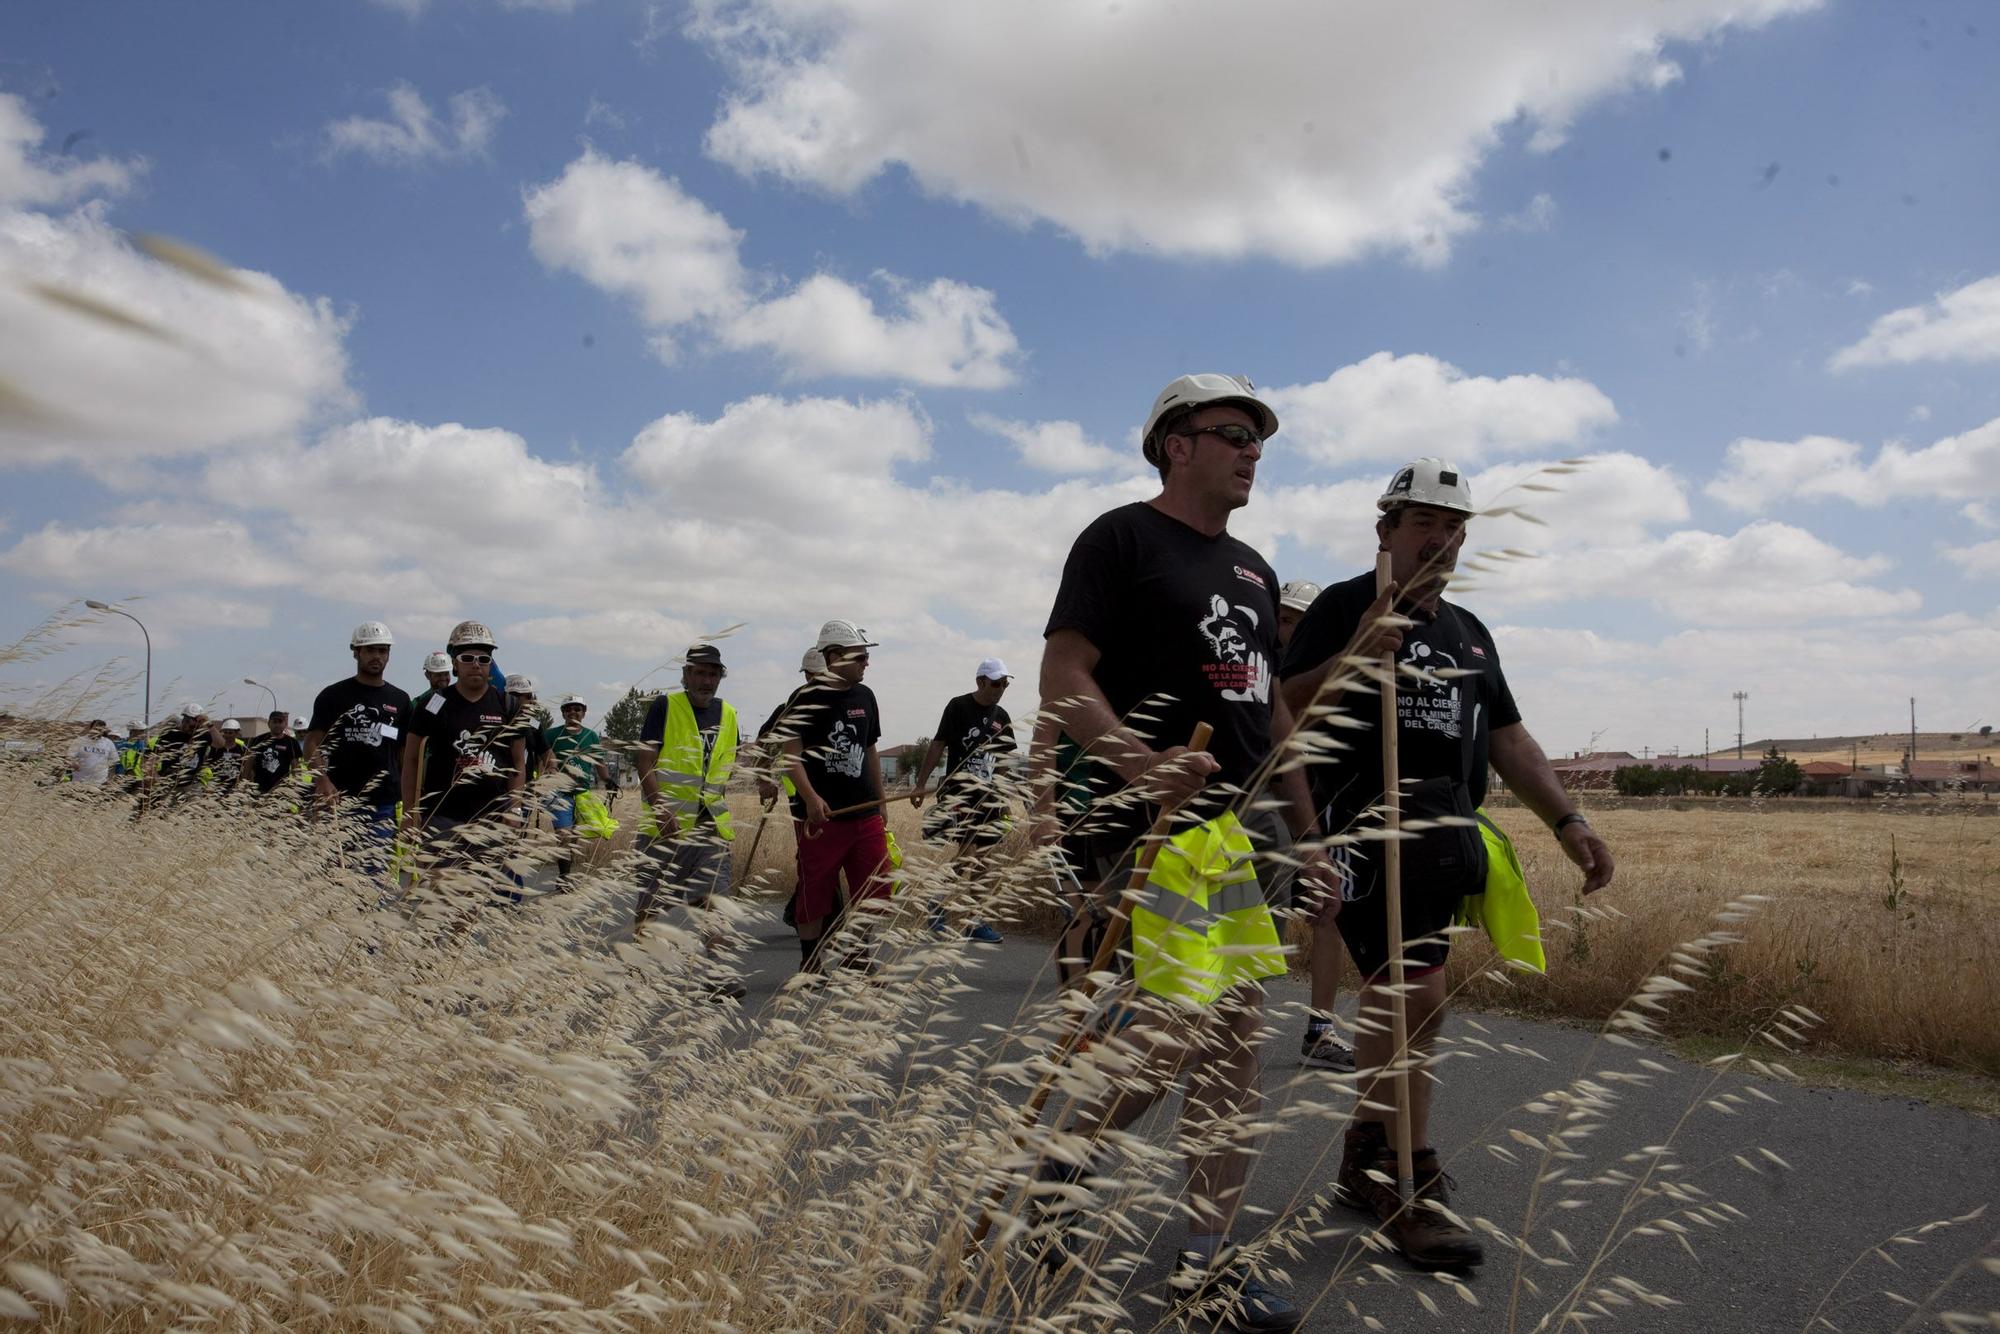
(1776, 1246)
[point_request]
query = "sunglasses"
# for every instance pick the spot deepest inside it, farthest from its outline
(1236, 437)
(475, 657)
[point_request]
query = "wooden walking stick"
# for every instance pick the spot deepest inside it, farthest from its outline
(1392, 884)
(1114, 937)
(756, 837)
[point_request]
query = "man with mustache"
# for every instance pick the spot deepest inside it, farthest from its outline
(1454, 714)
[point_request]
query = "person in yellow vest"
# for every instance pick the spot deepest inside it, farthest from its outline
(687, 749)
(1165, 620)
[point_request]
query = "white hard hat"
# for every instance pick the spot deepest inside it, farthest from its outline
(843, 634)
(370, 632)
(1195, 391)
(520, 683)
(134, 725)
(470, 634)
(1428, 482)
(577, 700)
(438, 662)
(231, 725)
(190, 709)
(992, 669)
(813, 663)
(1298, 594)
(298, 721)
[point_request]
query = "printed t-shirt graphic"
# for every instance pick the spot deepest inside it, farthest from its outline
(835, 725)
(1433, 713)
(1186, 627)
(469, 755)
(364, 728)
(272, 760)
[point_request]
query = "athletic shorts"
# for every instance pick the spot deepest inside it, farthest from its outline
(690, 869)
(562, 810)
(858, 847)
(1364, 915)
(966, 820)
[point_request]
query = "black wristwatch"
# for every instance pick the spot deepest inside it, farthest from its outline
(1574, 817)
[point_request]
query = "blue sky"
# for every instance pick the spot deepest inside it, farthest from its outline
(889, 244)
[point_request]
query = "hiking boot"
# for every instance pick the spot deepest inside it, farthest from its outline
(1322, 1049)
(979, 933)
(1223, 1290)
(1425, 1234)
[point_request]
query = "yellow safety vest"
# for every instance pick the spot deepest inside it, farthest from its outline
(682, 781)
(1505, 911)
(1200, 925)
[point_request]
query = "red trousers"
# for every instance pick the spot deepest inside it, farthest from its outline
(859, 847)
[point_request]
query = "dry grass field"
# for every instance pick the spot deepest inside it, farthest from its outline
(239, 1090)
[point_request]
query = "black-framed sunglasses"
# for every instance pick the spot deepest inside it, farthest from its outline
(475, 657)
(1236, 437)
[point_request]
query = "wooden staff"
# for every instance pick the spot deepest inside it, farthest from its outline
(756, 837)
(1114, 938)
(1392, 880)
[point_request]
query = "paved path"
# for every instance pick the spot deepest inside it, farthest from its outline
(1861, 1169)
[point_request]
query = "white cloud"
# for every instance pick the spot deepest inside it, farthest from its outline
(104, 562)
(1961, 325)
(1981, 560)
(179, 365)
(944, 333)
(29, 178)
(624, 634)
(412, 133)
(1391, 408)
(627, 230)
(1056, 446)
(1758, 472)
(1537, 215)
(1311, 132)
(1979, 515)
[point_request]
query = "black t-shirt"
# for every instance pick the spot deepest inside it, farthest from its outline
(177, 754)
(1442, 724)
(532, 734)
(272, 759)
(975, 737)
(363, 728)
(1186, 628)
(224, 760)
(469, 752)
(835, 725)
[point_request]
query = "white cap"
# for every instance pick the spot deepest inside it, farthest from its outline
(520, 683)
(843, 634)
(298, 721)
(231, 725)
(370, 632)
(1428, 481)
(470, 634)
(190, 709)
(438, 662)
(577, 700)
(1198, 391)
(1298, 594)
(134, 725)
(813, 663)
(992, 669)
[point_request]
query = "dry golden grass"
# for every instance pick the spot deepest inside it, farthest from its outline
(236, 1091)
(1910, 979)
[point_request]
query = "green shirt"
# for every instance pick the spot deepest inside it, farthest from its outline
(578, 752)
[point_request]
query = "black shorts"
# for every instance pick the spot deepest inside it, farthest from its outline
(1364, 915)
(966, 821)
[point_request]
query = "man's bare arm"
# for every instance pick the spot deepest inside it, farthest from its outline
(1521, 763)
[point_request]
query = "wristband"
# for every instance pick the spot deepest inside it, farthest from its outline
(1574, 817)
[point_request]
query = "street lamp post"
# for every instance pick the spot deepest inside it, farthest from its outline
(147, 705)
(266, 689)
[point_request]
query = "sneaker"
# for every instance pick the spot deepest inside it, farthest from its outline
(1422, 1230)
(938, 925)
(982, 934)
(1224, 1289)
(1059, 1199)
(1323, 1050)
(730, 989)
